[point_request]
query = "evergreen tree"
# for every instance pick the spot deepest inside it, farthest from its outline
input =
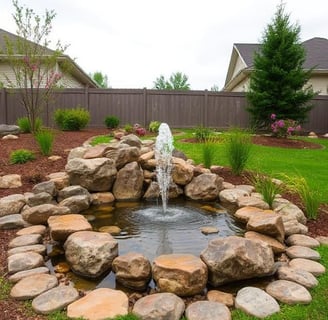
(278, 82)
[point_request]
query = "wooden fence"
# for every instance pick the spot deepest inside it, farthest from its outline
(180, 109)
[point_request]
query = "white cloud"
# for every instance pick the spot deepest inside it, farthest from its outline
(134, 42)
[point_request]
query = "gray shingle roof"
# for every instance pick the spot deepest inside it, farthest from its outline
(316, 53)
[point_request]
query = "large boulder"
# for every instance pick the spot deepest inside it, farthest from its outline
(8, 129)
(204, 187)
(182, 172)
(129, 182)
(12, 204)
(234, 258)
(122, 156)
(93, 174)
(181, 274)
(90, 253)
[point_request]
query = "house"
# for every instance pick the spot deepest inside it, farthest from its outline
(72, 76)
(241, 65)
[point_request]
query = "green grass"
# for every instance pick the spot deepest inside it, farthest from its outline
(100, 139)
(316, 310)
(309, 163)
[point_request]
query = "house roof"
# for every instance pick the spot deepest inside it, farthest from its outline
(316, 57)
(75, 70)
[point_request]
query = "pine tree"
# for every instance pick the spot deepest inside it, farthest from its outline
(278, 82)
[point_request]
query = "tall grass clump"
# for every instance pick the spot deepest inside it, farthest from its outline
(310, 196)
(202, 133)
(208, 152)
(45, 139)
(267, 186)
(238, 149)
(25, 126)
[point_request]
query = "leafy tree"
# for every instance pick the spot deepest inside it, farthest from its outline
(100, 79)
(215, 88)
(278, 82)
(35, 67)
(177, 81)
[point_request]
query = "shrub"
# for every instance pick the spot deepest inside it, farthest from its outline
(202, 133)
(21, 156)
(310, 196)
(283, 128)
(25, 126)
(72, 119)
(112, 122)
(154, 126)
(140, 131)
(238, 148)
(128, 128)
(45, 139)
(208, 152)
(267, 186)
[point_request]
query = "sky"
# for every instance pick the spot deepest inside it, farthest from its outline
(133, 42)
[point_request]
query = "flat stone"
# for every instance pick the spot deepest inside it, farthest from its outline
(24, 261)
(276, 246)
(63, 226)
(99, 304)
(253, 202)
(113, 230)
(37, 229)
(10, 137)
(12, 221)
(256, 302)
(38, 248)
(32, 286)
(99, 198)
(54, 299)
(231, 196)
(220, 296)
(95, 152)
(159, 306)
(23, 274)
(10, 181)
(302, 252)
(12, 204)
(302, 240)
(208, 310)
(299, 276)
(25, 240)
(209, 230)
(244, 214)
(289, 292)
(311, 266)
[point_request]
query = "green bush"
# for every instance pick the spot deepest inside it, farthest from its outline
(238, 148)
(154, 126)
(208, 152)
(45, 139)
(128, 128)
(72, 119)
(112, 122)
(25, 126)
(202, 133)
(21, 156)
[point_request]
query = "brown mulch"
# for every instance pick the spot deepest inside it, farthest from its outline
(35, 171)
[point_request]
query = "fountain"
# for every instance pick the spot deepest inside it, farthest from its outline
(163, 155)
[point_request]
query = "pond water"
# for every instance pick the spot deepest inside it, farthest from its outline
(148, 230)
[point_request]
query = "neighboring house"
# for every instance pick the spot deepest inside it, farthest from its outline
(72, 76)
(241, 65)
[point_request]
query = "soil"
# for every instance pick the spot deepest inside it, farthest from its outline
(35, 171)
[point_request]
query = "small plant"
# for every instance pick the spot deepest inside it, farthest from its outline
(128, 128)
(154, 126)
(283, 128)
(21, 156)
(5, 288)
(238, 148)
(267, 186)
(202, 133)
(112, 122)
(310, 197)
(45, 139)
(72, 119)
(208, 152)
(140, 131)
(25, 126)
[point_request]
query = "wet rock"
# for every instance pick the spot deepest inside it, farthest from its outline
(299, 276)
(235, 258)
(102, 303)
(302, 252)
(256, 302)
(24, 261)
(113, 230)
(26, 273)
(100, 198)
(222, 297)
(302, 240)
(32, 286)
(207, 310)
(311, 266)
(25, 240)
(82, 247)
(182, 172)
(209, 230)
(289, 292)
(54, 299)
(159, 306)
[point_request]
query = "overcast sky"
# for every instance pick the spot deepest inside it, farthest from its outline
(133, 42)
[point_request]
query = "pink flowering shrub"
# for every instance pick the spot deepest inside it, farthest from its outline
(140, 131)
(283, 128)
